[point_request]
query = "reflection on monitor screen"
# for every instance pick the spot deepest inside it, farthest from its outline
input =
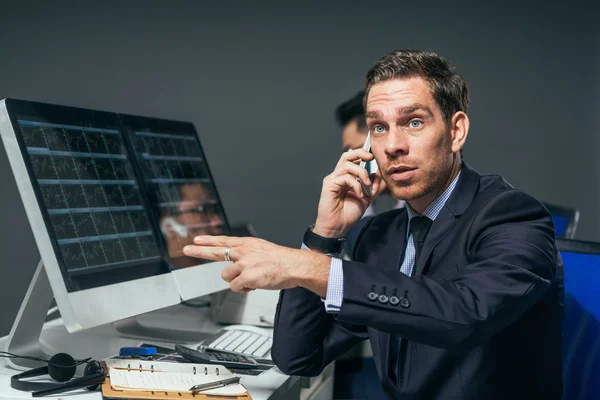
(180, 189)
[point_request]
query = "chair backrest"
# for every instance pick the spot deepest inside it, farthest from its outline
(565, 220)
(581, 329)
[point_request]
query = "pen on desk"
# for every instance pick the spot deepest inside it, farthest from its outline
(215, 385)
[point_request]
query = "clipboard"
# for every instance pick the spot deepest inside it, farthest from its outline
(108, 392)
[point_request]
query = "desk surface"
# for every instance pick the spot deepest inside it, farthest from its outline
(104, 341)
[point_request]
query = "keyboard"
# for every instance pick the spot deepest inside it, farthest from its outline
(243, 341)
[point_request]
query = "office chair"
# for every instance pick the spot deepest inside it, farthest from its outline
(581, 326)
(565, 220)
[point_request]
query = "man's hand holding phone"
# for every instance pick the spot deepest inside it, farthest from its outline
(343, 200)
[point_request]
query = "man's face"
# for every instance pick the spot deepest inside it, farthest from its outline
(352, 136)
(410, 139)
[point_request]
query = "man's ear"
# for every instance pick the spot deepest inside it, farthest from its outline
(459, 128)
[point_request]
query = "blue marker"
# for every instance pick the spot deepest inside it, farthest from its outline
(137, 351)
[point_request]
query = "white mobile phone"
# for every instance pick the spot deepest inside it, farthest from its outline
(370, 166)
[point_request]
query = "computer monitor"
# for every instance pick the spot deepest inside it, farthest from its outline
(565, 220)
(581, 326)
(111, 200)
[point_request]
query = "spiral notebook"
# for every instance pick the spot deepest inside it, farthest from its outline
(161, 379)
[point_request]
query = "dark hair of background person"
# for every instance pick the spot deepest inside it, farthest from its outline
(351, 109)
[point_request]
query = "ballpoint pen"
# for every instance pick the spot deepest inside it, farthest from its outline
(214, 385)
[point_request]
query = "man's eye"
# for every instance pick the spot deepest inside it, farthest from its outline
(415, 124)
(378, 129)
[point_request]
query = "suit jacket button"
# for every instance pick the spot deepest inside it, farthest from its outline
(383, 299)
(404, 303)
(373, 296)
(394, 300)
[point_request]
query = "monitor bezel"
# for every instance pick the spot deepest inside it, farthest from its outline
(90, 307)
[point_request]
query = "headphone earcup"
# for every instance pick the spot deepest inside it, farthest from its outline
(61, 367)
(93, 368)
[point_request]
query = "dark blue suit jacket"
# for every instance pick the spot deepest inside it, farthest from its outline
(353, 235)
(480, 318)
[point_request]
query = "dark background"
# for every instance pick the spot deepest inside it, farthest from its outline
(260, 82)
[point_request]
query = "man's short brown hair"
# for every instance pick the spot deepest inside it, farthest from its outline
(449, 89)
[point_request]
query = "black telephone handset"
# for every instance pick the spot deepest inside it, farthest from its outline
(370, 166)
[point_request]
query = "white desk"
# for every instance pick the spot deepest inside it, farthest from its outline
(103, 342)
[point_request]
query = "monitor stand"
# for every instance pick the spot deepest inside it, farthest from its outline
(176, 324)
(24, 337)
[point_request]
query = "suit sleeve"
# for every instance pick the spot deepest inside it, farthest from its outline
(511, 262)
(306, 337)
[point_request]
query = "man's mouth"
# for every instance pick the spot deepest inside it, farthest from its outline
(400, 173)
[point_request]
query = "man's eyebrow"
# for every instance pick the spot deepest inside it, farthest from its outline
(412, 108)
(373, 114)
(401, 110)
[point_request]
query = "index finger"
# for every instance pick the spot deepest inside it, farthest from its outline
(221, 241)
(356, 155)
(205, 252)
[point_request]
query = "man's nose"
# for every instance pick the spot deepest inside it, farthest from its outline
(396, 142)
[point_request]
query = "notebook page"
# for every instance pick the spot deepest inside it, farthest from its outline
(159, 381)
(165, 381)
(166, 366)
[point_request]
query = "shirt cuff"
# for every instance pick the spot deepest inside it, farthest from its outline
(335, 285)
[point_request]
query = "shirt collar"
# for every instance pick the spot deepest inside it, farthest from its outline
(436, 206)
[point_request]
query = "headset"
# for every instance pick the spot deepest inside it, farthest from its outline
(61, 367)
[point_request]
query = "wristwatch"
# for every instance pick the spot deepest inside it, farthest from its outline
(324, 244)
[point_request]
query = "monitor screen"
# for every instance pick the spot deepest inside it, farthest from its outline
(178, 184)
(581, 329)
(89, 195)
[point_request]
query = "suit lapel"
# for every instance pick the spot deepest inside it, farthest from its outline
(462, 196)
(439, 228)
(393, 251)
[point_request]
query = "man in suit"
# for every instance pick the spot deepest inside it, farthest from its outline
(460, 294)
(350, 116)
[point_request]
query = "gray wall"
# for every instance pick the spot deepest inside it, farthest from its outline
(261, 81)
